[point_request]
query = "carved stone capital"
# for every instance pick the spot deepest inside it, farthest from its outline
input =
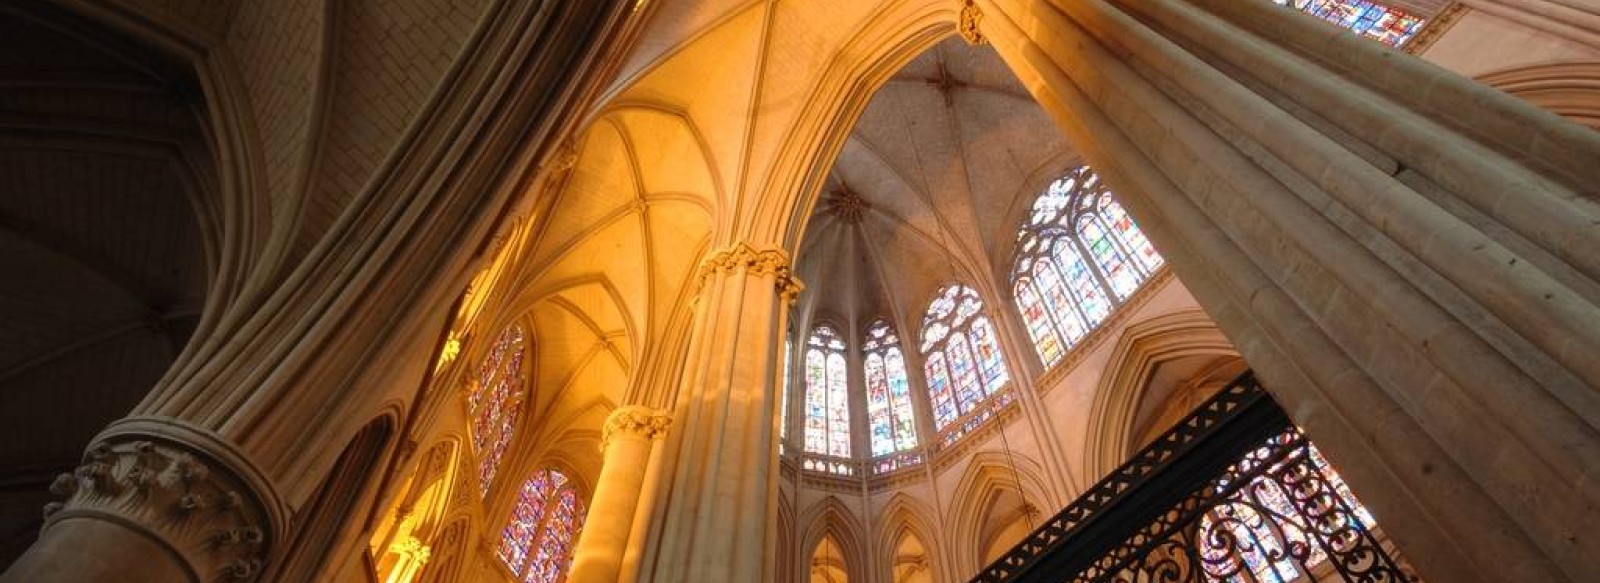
(967, 24)
(742, 258)
(635, 420)
(191, 500)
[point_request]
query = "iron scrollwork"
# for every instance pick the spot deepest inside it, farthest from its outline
(1234, 493)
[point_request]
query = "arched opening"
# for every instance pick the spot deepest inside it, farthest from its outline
(828, 563)
(1006, 519)
(909, 562)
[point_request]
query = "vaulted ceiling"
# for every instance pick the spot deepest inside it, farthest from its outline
(103, 257)
(929, 188)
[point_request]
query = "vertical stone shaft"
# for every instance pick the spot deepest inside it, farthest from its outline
(718, 516)
(1413, 290)
(627, 438)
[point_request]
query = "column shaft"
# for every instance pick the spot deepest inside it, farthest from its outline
(1413, 290)
(628, 436)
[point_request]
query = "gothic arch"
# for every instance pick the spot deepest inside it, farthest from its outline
(830, 518)
(1142, 347)
(900, 31)
(988, 476)
(901, 517)
(1571, 90)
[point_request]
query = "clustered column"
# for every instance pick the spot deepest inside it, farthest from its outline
(718, 517)
(1405, 257)
(626, 442)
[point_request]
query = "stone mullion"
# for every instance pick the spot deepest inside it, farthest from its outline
(716, 521)
(1296, 332)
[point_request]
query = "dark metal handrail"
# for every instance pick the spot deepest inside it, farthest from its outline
(1146, 516)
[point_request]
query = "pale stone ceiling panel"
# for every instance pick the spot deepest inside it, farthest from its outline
(806, 37)
(674, 23)
(943, 157)
(679, 232)
(658, 142)
(710, 80)
(567, 351)
(616, 253)
(602, 182)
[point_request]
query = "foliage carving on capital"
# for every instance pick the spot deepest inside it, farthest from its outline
(195, 505)
(967, 25)
(635, 420)
(754, 262)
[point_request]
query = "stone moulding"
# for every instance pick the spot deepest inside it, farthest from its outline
(161, 483)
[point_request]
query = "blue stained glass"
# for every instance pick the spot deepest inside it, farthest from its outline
(944, 405)
(964, 372)
(543, 526)
(1113, 264)
(1069, 321)
(1387, 25)
(1040, 328)
(990, 362)
(905, 423)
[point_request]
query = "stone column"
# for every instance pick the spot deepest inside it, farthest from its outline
(626, 442)
(719, 516)
(154, 502)
(1405, 257)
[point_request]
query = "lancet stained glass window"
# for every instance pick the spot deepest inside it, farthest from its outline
(538, 539)
(495, 402)
(893, 428)
(1078, 258)
(827, 400)
(1387, 25)
(962, 358)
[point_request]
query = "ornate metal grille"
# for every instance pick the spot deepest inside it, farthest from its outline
(1234, 493)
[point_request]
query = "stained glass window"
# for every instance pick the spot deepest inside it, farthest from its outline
(892, 426)
(538, 539)
(1078, 258)
(783, 404)
(1265, 524)
(827, 400)
(1386, 25)
(962, 357)
(495, 402)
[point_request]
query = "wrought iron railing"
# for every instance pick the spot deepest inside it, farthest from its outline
(1233, 493)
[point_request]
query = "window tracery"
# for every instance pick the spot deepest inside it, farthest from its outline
(827, 396)
(1079, 257)
(962, 357)
(495, 403)
(1387, 25)
(892, 423)
(537, 541)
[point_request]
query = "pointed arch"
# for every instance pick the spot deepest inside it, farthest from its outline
(1142, 347)
(830, 519)
(902, 517)
(989, 478)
